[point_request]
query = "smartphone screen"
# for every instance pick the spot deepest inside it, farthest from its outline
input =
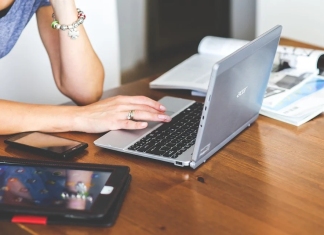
(58, 146)
(47, 142)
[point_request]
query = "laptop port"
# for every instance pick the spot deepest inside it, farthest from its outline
(178, 163)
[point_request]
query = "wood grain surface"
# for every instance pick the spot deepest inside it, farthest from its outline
(268, 180)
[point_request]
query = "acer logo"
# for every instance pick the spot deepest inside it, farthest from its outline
(241, 92)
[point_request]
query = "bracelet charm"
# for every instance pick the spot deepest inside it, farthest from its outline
(74, 33)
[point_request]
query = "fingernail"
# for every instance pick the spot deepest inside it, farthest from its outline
(164, 117)
(144, 124)
(162, 107)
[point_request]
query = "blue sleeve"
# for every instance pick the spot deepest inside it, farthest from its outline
(44, 3)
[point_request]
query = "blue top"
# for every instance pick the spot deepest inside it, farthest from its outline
(14, 22)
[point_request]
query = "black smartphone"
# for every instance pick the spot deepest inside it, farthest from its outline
(68, 190)
(49, 145)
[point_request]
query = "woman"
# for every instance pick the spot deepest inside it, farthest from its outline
(77, 71)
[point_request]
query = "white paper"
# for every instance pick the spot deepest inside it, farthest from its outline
(219, 46)
(192, 74)
(301, 58)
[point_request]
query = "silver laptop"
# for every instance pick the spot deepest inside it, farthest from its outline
(198, 130)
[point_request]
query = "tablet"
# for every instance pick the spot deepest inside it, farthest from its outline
(71, 190)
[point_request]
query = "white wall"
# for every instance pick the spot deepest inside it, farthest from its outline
(302, 20)
(25, 73)
(132, 31)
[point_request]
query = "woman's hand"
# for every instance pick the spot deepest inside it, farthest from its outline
(111, 114)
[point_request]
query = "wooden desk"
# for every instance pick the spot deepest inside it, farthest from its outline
(268, 180)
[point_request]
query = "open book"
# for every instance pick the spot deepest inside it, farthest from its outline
(295, 70)
(194, 72)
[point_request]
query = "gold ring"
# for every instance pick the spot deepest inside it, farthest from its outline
(130, 115)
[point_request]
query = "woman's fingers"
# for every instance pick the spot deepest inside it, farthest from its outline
(130, 125)
(144, 115)
(133, 119)
(139, 100)
(139, 108)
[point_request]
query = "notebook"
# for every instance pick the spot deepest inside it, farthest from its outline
(198, 130)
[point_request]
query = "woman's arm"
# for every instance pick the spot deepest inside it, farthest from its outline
(19, 117)
(77, 70)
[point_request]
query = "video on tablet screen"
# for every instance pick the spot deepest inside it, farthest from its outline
(50, 187)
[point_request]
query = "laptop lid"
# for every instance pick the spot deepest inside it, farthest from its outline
(235, 94)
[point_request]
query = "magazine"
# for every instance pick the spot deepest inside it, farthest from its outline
(295, 70)
(297, 105)
(295, 91)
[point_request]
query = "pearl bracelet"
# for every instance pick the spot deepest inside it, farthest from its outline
(73, 32)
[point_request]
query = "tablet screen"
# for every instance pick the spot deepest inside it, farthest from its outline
(50, 187)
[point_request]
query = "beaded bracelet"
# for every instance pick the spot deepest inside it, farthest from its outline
(73, 32)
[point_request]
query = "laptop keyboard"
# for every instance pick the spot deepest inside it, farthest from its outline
(173, 138)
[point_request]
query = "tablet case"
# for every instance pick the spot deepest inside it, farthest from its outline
(106, 221)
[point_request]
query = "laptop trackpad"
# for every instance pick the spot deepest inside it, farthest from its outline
(169, 113)
(123, 138)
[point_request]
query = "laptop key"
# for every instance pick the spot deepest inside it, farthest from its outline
(156, 150)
